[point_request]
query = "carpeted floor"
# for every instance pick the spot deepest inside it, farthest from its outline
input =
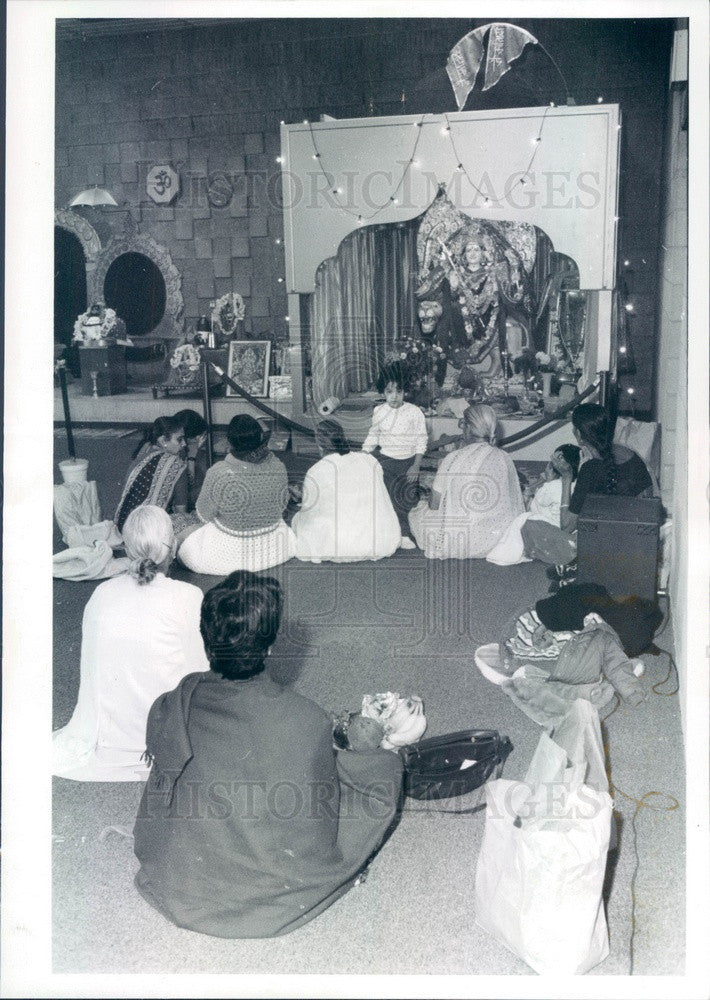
(410, 625)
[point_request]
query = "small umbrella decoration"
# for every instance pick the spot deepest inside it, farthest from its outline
(93, 196)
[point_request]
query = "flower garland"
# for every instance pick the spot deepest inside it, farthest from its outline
(96, 324)
(227, 312)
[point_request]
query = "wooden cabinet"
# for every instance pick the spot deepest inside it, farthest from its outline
(103, 369)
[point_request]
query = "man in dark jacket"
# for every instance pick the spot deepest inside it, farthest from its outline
(251, 824)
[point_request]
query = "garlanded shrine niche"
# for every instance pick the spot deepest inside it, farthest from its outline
(136, 276)
(84, 231)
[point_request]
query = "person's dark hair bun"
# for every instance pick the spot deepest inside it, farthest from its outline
(239, 621)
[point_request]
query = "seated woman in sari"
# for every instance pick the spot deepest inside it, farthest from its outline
(346, 514)
(195, 428)
(239, 511)
(474, 497)
(140, 636)
(158, 472)
(251, 823)
(609, 469)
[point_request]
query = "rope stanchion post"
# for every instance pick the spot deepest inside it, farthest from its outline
(207, 407)
(62, 372)
(604, 388)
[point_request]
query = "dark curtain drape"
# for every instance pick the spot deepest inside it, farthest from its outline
(364, 300)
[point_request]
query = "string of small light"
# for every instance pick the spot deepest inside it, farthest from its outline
(392, 200)
(624, 333)
(461, 167)
(447, 131)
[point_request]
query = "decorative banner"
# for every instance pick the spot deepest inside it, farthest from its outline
(505, 44)
(162, 184)
(464, 62)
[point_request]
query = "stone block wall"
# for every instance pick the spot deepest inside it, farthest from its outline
(208, 99)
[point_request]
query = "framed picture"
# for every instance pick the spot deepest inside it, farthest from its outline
(248, 366)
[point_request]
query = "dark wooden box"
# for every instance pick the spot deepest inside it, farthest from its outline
(109, 365)
(617, 544)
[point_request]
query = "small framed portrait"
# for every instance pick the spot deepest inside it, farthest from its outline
(248, 366)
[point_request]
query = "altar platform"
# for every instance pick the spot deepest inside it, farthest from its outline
(139, 407)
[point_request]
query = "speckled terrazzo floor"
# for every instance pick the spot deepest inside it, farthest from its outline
(403, 624)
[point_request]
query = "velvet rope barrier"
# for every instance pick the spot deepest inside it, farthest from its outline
(286, 421)
(302, 429)
(551, 419)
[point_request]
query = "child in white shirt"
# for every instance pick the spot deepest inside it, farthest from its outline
(398, 439)
(543, 499)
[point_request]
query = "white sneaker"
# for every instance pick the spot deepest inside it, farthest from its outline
(407, 543)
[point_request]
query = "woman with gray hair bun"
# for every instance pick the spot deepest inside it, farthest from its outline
(140, 637)
(474, 497)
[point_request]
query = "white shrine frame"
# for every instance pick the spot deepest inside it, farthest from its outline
(340, 175)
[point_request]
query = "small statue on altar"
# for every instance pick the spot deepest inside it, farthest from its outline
(99, 326)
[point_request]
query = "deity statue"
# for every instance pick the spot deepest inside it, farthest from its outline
(482, 273)
(489, 288)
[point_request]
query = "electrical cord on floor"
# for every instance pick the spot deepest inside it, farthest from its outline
(671, 664)
(641, 804)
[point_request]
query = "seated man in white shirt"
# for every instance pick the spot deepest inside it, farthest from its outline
(398, 439)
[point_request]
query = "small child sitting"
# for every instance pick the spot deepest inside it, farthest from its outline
(542, 498)
(544, 495)
(398, 439)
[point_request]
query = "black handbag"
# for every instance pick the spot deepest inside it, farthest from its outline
(454, 764)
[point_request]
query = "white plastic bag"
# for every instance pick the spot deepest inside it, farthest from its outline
(542, 863)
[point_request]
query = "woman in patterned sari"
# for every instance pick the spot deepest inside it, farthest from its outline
(158, 473)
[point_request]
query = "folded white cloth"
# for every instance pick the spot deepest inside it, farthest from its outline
(76, 503)
(87, 534)
(88, 562)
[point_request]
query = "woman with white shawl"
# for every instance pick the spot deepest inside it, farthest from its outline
(140, 636)
(474, 497)
(346, 514)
